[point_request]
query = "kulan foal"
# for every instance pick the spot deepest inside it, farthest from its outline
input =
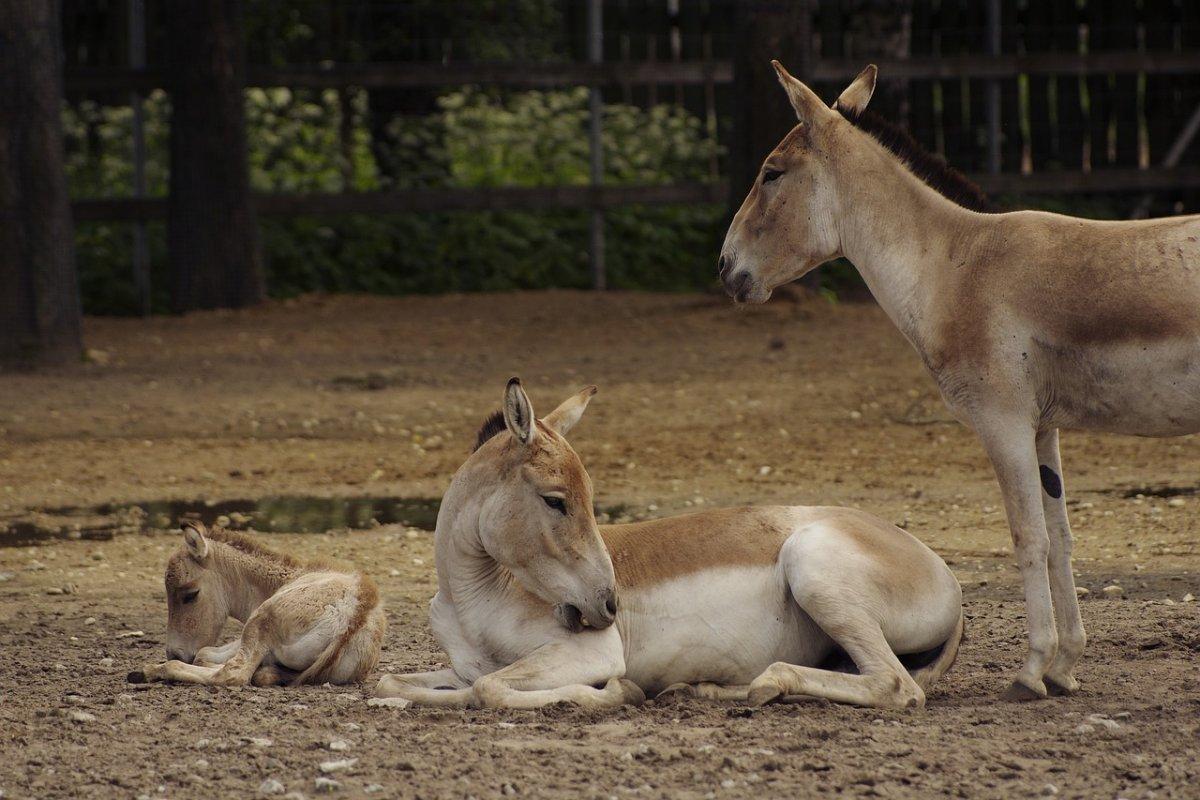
(536, 604)
(304, 623)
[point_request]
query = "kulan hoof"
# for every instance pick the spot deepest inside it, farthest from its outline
(761, 695)
(1021, 692)
(633, 693)
(675, 692)
(1061, 687)
(137, 676)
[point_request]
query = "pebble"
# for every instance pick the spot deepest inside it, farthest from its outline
(372, 788)
(271, 786)
(258, 741)
(200, 763)
(337, 766)
(90, 621)
(1176, 502)
(395, 573)
(1082, 592)
(130, 634)
(1113, 591)
(82, 716)
(1049, 790)
(339, 745)
(5, 576)
(327, 785)
(1188, 598)
(389, 702)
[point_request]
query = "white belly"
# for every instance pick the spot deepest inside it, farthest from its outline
(721, 626)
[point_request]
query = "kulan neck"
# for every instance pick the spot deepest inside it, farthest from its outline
(901, 235)
(249, 579)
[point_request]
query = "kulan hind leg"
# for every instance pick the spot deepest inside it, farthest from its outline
(706, 691)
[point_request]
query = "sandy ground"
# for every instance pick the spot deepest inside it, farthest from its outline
(700, 404)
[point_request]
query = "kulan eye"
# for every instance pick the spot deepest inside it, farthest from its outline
(189, 597)
(557, 503)
(771, 175)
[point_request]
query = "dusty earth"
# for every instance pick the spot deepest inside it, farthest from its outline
(700, 404)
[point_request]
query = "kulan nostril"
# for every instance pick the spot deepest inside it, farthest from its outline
(722, 265)
(610, 605)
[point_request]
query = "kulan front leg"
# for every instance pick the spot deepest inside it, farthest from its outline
(441, 687)
(1010, 446)
(564, 671)
(1060, 676)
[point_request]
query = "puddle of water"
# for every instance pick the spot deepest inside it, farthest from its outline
(283, 513)
(286, 513)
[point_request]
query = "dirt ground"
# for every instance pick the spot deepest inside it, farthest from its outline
(700, 404)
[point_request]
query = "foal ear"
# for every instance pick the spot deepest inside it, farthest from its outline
(518, 412)
(859, 92)
(563, 418)
(193, 537)
(805, 103)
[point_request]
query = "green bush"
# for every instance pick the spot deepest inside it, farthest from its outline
(477, 139)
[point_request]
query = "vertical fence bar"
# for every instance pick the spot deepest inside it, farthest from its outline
(993, 89)
(141, 249)
(595, 123)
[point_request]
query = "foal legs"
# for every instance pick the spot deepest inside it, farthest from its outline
(1071, 637)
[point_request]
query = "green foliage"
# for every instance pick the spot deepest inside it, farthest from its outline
(477, 139)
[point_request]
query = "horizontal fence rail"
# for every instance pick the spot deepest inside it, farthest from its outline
(427, 200)
(414, 75)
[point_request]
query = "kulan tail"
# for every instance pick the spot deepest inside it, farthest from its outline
(929, 674)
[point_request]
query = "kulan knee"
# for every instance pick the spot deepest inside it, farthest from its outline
(489, 692)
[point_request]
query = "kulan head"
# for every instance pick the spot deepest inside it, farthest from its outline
(787, 223)
(534, 501)
(197, 603)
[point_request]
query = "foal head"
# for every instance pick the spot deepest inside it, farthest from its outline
(786, 225)
(534, 501)
(197, 601)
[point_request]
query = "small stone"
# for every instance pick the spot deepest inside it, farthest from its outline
(1188, 598)
(5, 576)
(373, 788)
(1177, 502)
(271, 786)
(130, 634)
(327, 785)
(418, 562)
(90, 621)
(55, 590)
(1049, 790)
(1101, 721)
(82, 716)
(1082, 592)
(412, 533)
(395, 573)
(105, 662)
(1123, 715)
(764, 470)
(258, 741)
(508, 789)
(389, 702)
(340, 765)
(1084, 729)
(338, 745)
(1113, 591)
(200, 763)
(75, 700)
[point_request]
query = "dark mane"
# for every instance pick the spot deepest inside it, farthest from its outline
(491, 426)
(936, 173)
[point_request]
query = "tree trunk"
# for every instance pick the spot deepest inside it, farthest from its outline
(39, 288)
(212, 232)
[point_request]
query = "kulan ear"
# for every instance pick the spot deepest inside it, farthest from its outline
(563, 418)
(805, 103)
(858, 93)
(518, 412)
(193, 537)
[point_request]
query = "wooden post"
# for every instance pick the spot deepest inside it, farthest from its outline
(137, 60)
(212, 230)
(39, 289)
(993, 89)
(595, 144)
